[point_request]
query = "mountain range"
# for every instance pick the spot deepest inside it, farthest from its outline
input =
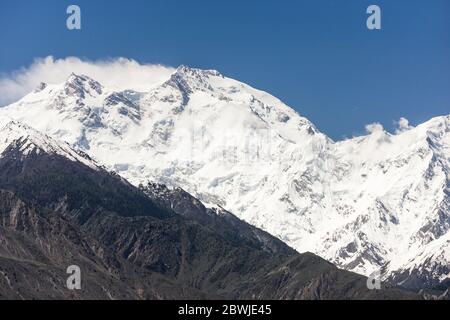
(59, 208)
(378, 202)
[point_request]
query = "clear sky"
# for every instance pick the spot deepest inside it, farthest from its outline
(316, 55)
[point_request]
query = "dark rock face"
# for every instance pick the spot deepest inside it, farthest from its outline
(219, 220)
(38, 246)
(148, 243)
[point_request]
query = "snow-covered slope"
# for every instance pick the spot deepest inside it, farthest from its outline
(425, 267)
(394, 191)
(361, 203)
(29, 140)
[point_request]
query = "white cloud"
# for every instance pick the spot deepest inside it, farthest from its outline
(118, 73)
(403, 125)
(376, 130)
(374, 127)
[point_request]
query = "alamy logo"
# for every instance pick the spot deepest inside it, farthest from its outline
(74, 281)
(374, 281)
(374, 20)
(73, 22)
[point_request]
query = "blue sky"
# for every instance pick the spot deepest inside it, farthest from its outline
(315, 55)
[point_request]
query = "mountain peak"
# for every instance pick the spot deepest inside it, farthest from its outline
(186, 70)
(188, 80)
(41, 86)
(77, 77)
(16, 133)
(80, 84)
(28, 140)
(17, 128)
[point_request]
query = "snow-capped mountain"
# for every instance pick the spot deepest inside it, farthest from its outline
(380, 200)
